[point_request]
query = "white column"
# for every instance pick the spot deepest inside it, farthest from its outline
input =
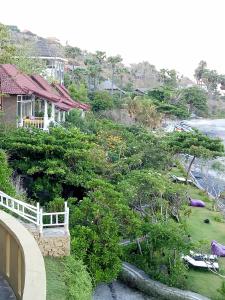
(82, 114)
(31, 108)
(64, 116)
(45, 115)
(53, 113)
(59, 116)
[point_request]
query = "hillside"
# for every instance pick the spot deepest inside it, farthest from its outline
(140, 75)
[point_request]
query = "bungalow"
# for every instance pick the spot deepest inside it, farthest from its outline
(141, 91)
(30, 101)
(109, 87)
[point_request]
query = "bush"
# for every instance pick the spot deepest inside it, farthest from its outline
(222, 290)
(77, 280)
(79, 92)
(219, 219)
(5, 175)
(102, 101)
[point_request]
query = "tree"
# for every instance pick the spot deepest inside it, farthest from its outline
(78, 92)
(77, 280)
(97, 225)
(7, 50)
(102, 100)
(195, 98)
(195, 144)
(93, 71)
(25, 62)
(5, 175)
(100, 57)
(199, 71)
(162, 93)
(113, 62)
(211, 79)
(207, 77)
(73, 54)
(168, 77)
(121, 72)
(145, 112)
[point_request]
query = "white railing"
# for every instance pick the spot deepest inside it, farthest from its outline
(35, 214)
(36, 122)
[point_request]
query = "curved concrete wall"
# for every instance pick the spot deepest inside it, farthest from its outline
(139, 280)
(21, 261)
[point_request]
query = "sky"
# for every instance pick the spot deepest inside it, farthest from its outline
(174, 34)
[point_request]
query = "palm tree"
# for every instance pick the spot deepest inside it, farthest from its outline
(100, 58)
(200, 71)
(122, 71)
(113, 61)
(93, 70)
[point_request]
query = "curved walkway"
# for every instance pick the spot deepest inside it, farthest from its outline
(118, 291)
(6, 293)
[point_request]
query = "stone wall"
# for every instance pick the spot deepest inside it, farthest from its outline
(53, 242)
(54, 246)
(139, 280)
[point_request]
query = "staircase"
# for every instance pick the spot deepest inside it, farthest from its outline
(6, 292)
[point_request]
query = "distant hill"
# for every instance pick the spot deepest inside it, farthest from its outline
(140, 75)
(39, 46)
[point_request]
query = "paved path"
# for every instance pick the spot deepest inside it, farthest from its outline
(118, 291)
(6, 292)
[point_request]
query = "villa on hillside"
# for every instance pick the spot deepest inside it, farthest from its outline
(30, 101)
(109, 87)
(51, 52)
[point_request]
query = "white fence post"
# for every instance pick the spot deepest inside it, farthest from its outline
(38, 214)
(66, 217)
(41, 221)
(35, 214)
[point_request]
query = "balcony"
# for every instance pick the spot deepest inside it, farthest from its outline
(36, 122)
(21, 262)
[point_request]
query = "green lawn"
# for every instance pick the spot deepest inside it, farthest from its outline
(200, 281)
(205, 282)
(56, 289)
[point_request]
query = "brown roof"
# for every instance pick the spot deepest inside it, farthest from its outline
(14, 82)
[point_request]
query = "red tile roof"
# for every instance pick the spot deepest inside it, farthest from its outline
(14, 82)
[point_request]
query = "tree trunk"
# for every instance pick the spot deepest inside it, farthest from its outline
(112, 80)
(189, 169)
(139, 247)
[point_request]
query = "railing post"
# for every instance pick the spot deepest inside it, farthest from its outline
(66, 217)
(38, 214)
(41, 221)
(46, 122)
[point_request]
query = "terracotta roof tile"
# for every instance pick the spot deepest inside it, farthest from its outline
(12, 81)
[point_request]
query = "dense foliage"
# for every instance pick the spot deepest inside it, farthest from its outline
(77, 279)
(108, 173)
(194, 144)
(5, 175)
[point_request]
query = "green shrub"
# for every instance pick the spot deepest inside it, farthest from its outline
(77, 279)
(102, 101)
(219, 219)
(222, 290)
(5, 175)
